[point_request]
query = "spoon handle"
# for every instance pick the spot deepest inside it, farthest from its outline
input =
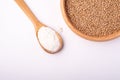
(29, 13)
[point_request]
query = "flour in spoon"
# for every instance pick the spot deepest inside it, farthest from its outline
(48, 39)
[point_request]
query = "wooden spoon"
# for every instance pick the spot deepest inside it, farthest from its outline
(38, 25)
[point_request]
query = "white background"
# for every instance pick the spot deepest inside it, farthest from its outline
(21, 57)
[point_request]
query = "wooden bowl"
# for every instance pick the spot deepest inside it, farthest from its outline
(104, 37)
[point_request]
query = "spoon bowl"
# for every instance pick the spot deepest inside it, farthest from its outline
(44, 47)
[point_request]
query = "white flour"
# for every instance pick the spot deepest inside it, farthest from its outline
(48, 39)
